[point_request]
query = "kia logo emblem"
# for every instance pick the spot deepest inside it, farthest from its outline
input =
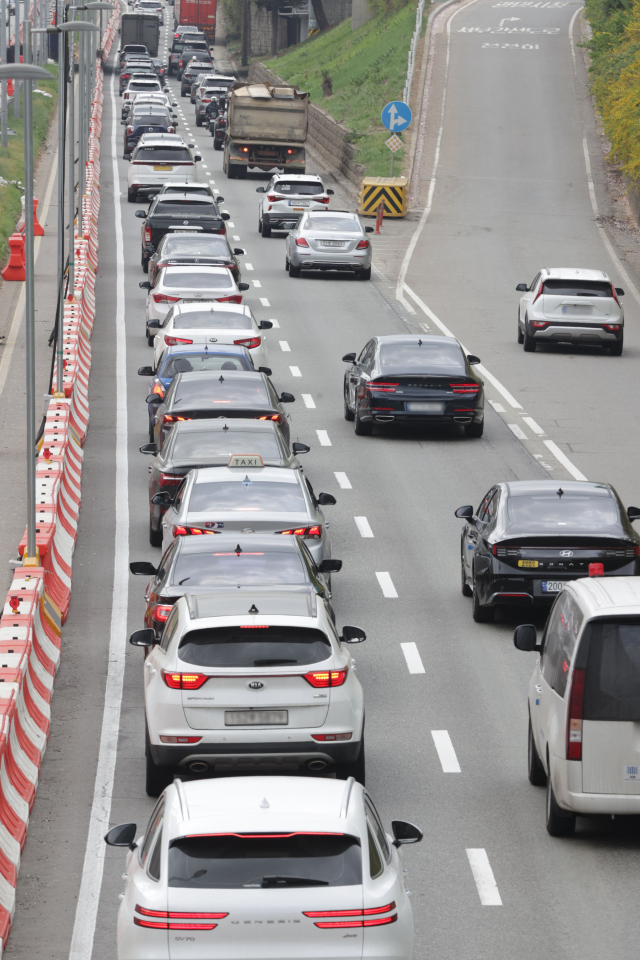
(566, 553)
(213, 339)
(255, 685)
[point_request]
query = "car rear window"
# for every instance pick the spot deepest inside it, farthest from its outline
(152, 119)
(577, 288)
(301, 189)
(247, 568)
(252, 497)
(429, 357)
(142, 85)
(198, 281)
(191, 246)
(330, 224)
(204, 361)
(211, 320)
(250, 646)
(612, 683)
(235, 861)
(163, 154)
(223, 445)
(210, 393)
(544, 512)
(194, 201)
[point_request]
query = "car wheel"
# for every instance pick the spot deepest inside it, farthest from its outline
(362, 429)
(466, 589)
(259, 224)
(132, 195)
(198, 121)
(144, 264)
(348, 414)
(364, 274)
(529, 342)
(520, 333)
(217, 146)
(242, 173)
(474, 429)
(266, 229)
(481, 614)
(616, 348)
(183, 93)
(155, 536)
(286, 264)
(150, 339)
(157, 777)
(294, 271)
(535, 770)
(355, 769)
(560, 823)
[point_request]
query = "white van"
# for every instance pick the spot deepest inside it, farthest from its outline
(584, 701)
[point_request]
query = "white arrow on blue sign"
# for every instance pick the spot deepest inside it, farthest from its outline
(396, 116)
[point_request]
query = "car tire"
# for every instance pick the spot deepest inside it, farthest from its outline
(286, 264)
(616, 348)
(157, 778)
(132, 195)
(481, 614)
(144, 264)
(529, 342)
(474, 429)
(198, 121)
(560, 823)
(155, 536)
(364, 274)
(520, 333)
(294, 271)
(466, 589)
(217, 146)
(356, 769)
(362, 429)
(348, 413)
(259, 224)
(535, 770)
(150, 339)
(266, 230)
(182, 94)
(242, 172)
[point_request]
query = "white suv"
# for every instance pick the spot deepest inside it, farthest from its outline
(584, 701)
(159, 158)
(571, 306)
(259, 867)
(288, 196)
(241, 682)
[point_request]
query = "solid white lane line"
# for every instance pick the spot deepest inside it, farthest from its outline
(446, 752)
(276, 323)
(386, 585)
(483, 876)
(323, 438)
(264, 302)
(413, 658)
(530, 422)
(517, 431)
(564, 460)
(343, 481)
(308, 401)
(295, 371)
(256, 283)
(284, 346)
(248, 266)
(90, 886)
(363, 526)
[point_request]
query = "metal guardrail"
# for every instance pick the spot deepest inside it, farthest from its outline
(411, 63)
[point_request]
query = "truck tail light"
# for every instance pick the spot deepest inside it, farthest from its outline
(574, 714)
(184, 681)
(250, 344)
(162, 297)
(326, 678)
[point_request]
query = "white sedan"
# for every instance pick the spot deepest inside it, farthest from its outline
(212, 323)
(259, 867)
(192, 283)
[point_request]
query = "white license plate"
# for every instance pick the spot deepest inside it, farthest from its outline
(551, 586)
(425, 407)
(255, 718)
(332, 243)
(298, 203)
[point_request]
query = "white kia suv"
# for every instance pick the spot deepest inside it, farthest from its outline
(287, 197)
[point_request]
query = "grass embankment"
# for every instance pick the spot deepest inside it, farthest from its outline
(367, 67)
(12, 156)
(615, 71)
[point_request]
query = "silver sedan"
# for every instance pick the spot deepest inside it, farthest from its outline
(329, 240)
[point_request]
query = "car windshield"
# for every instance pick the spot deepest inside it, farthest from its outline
(577, 288)
(189, 446)
(232, 861)
(255, 646)
(432, 357)
(301, 189)
(252, 497)
(211, 320)
(250, 568)
(210, 393)
(551, 512)
(203, 361)
(198, 281)
(331, 224)
(163, 154)
(612, 687)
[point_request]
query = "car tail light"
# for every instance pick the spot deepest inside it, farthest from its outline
(345, 913)
(272, 197)
(184, 681)
(362, 245)
(596, 569)
(169, 418)
(234, 298)
(381, 386)
(171, 130)
(180, 63)
(326, 678)
(324, 200)
(126, 76)
(325, 737)
(162, 297)
(129, 129)
(150, 913)
(464, 387)
(161, 612)
(165, 925)
(314, 532)
(250, 344)
(175, 915)
(301, 242)
(158, 389)
(539, 291)
(147, 239)
(539, 324)
(170, 480)
(273, 416)
(378, 922)
(612, 326)
(180, 531)
(172, 341)
(615, 295)
(574, 715)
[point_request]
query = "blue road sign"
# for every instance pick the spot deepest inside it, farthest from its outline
(396, 116)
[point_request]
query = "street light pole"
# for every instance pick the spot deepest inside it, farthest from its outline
(4, 137)
(72, 168)
(82, 98)
(62, 84)
(16, 91)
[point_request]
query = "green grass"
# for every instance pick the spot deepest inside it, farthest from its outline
(12, 156)
(368, 68)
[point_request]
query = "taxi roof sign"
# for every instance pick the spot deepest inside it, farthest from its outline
(245, 460)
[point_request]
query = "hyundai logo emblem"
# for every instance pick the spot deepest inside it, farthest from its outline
(255, 685)
(247, 530)
(566, 553)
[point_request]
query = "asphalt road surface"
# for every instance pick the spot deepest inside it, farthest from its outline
(511, 195)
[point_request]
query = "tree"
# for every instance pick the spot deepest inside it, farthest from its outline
(320, 15)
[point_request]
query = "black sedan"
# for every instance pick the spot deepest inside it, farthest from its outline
(413, 379)
(209, 250)
(147, 118)
(191, 565)
(211, 443)
(212, 395)
(529, 537)
(185, 213)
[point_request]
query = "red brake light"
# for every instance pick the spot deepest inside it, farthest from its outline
(162, 297)
(163, 925)
(172, 341)
(363, 243)
(161, 612)
(344, 913)
(378, 922)
(147, 238)
(301, 242)
(539, 324)
(382, 387)
(325, 737)
(272, 198)
(612, 326)
(192, 532)
(184, 681)
(539, 291)
(158, 389)
(181, 916)
(326, 678)
(574, 714)
(313, 532)
(464, 387)
(234, 298)
(251, 343)
(169, 480)
(129, 129)
(168, 418)
(275, 417)
(614, 295)
(596, 569)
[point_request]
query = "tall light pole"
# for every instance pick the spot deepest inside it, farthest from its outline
(16, 57)
(4, 136)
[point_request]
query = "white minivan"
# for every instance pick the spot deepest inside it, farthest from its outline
(584, 701)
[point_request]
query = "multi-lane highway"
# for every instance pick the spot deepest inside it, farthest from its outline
(511, 195)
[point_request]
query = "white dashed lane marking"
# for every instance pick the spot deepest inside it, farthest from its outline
(256, 283)
(308, 401)
(249, 266)
(531, 423)
(295, 371)
(446, 752)
(483, 876)
(387, 587)
(323, 438)
(517, 431)
(276, 323)
(284, 346)
(365, 530)
(343, 481)
(412, 656)
(236, 238)
(264, 302)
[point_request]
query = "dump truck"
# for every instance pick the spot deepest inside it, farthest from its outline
(267, 127)
(141, 28)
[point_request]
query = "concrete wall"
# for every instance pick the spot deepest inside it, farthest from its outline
(360, 14)
(633, 194)
(261, 31)
(326, 136)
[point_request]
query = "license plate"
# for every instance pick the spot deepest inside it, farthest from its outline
(527, 563)
(552, 586)
(299, 208)
(161, 166)
(267, 153)
(332, 243)
(576, 308)
(425, 407)
(298, 204)
(255, 718)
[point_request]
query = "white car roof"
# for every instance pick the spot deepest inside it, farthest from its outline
(212, 305)
(195, 268)
(299, 177)
(162, 140)
(574, 273)
(607, 596)
(255, 474)
(345, 214)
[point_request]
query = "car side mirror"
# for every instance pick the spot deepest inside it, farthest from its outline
(329, 193)
(219, 199)
(326, 500)
(349, 358)
(265, 325)
(633, 513)
(525, 638)
(143, 638)
(260, 190)
(197, 158)
(238, 251)
(149, 448)
(368, 229)
(225, 215)
(266, 370)
(522, 288)
(123, 835)
(145, 371)
(123, 123)
(243, 286)
(153, 324)
(154, 398)
(141, 214)
(299, 448)
(620, 291)
(141, 568)
(405, 832)
(330, 566)
(464, 513)
(471, 359)
(145, 285)
(353, 635)
(163, 499)
(287, 398)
